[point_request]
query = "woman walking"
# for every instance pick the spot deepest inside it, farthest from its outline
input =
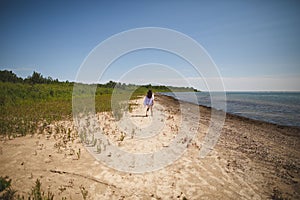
(149, 101)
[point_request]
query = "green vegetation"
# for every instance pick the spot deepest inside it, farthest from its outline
(38, 194)
(84, 192)
(9, 76)
(30, 104)
(23, 106)
(4, 183)
(6, 192)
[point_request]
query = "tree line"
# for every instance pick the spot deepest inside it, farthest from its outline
(35, 78)
(38, 78)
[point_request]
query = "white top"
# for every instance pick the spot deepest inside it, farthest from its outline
(149, 101)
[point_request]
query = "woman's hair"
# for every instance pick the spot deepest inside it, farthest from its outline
(149, 94)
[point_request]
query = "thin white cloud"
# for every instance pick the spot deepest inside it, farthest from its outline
(257, 83)
(265, 83)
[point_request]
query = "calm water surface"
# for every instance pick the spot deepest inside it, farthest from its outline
(281, 108)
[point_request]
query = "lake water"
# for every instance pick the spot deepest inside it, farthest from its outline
(282, 108)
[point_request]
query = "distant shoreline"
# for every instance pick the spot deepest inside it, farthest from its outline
(254, 118)
(243, 118)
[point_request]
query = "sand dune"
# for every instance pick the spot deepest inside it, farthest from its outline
(252, 160)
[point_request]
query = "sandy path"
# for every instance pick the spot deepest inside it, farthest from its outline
(252, 160)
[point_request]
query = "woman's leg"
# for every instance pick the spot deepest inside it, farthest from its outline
(151, 110)
(147, 110)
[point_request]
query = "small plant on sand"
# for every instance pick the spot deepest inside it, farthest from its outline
(57, 130)
(6, 192)
(122, 136)
(132, 133)
(84, 192)
(37, 193)
(81, 136)
(98, 148)
(4, 183)
(131, 107)
(78, 154)
(69, 134)
(94, 143)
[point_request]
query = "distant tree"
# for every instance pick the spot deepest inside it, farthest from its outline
(38, 78)
(9, 76)
(35, 78)
(111, 84)
(147, 86)
(49, 80)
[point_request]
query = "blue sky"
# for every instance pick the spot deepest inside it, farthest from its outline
(255, 44)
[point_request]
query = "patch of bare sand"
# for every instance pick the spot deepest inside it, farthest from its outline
(252, 160)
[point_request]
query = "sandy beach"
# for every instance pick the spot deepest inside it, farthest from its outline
(251, 160)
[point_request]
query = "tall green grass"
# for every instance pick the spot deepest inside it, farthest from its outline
(29, 104)
(23, 106)
(26, 107)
